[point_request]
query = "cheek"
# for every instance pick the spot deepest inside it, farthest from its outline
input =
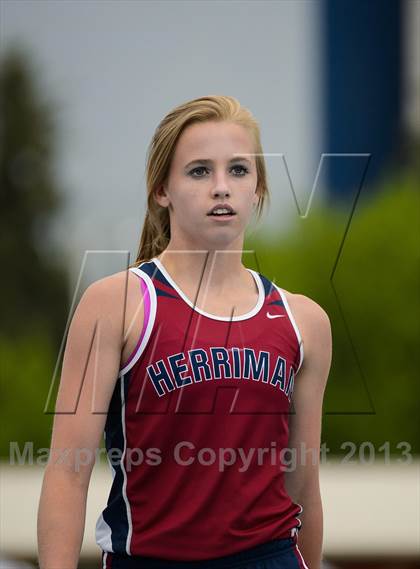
(249, 194)
(180, 193)
(187, 203)
(249, 184)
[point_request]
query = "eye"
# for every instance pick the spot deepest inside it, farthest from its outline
(195, 170)
(199, 169)
(244, 170)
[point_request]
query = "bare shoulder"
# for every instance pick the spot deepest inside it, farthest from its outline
(111, 284)
(115, 298)
(311, 319)
(306, 307)
(111, 292)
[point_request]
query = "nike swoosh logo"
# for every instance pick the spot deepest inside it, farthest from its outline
(275, 315)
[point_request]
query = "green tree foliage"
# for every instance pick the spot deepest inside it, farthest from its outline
(34, 295)
(373, 302)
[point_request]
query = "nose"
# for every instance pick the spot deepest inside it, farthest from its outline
(221, 187)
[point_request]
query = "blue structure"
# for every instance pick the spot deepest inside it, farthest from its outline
(362, 90)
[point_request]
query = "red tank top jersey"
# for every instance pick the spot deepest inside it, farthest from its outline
(196, 427)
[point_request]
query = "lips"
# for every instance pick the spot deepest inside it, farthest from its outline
(226, 206)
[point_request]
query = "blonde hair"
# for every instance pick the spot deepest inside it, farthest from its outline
(156, 229)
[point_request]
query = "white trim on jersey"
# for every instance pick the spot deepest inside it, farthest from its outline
(252, 312)
(124, 487)
(150, 323)
(301, 557)
(297, 517)
(295, 326)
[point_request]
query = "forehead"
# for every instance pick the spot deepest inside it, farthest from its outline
(212, 140)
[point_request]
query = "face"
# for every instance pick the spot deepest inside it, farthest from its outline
(211, 165)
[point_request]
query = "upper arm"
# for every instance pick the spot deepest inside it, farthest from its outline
(89, 373)
(306, 418)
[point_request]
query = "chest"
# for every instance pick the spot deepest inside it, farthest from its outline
(243, 366)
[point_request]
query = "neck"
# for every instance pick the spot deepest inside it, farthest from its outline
(220, 267)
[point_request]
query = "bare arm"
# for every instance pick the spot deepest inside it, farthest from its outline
(302, 483)
(90, 369)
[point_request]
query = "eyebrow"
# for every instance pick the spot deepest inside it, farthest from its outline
(206, 161)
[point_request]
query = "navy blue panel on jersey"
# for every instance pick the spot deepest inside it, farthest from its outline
(116, 515)
(276, 554)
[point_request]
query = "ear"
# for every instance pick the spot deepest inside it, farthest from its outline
(161, 196)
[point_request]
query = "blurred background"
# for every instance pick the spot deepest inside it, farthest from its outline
(335, 87)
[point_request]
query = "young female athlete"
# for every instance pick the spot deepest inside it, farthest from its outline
(205, 377)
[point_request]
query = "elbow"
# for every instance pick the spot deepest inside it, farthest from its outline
(74, 474)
